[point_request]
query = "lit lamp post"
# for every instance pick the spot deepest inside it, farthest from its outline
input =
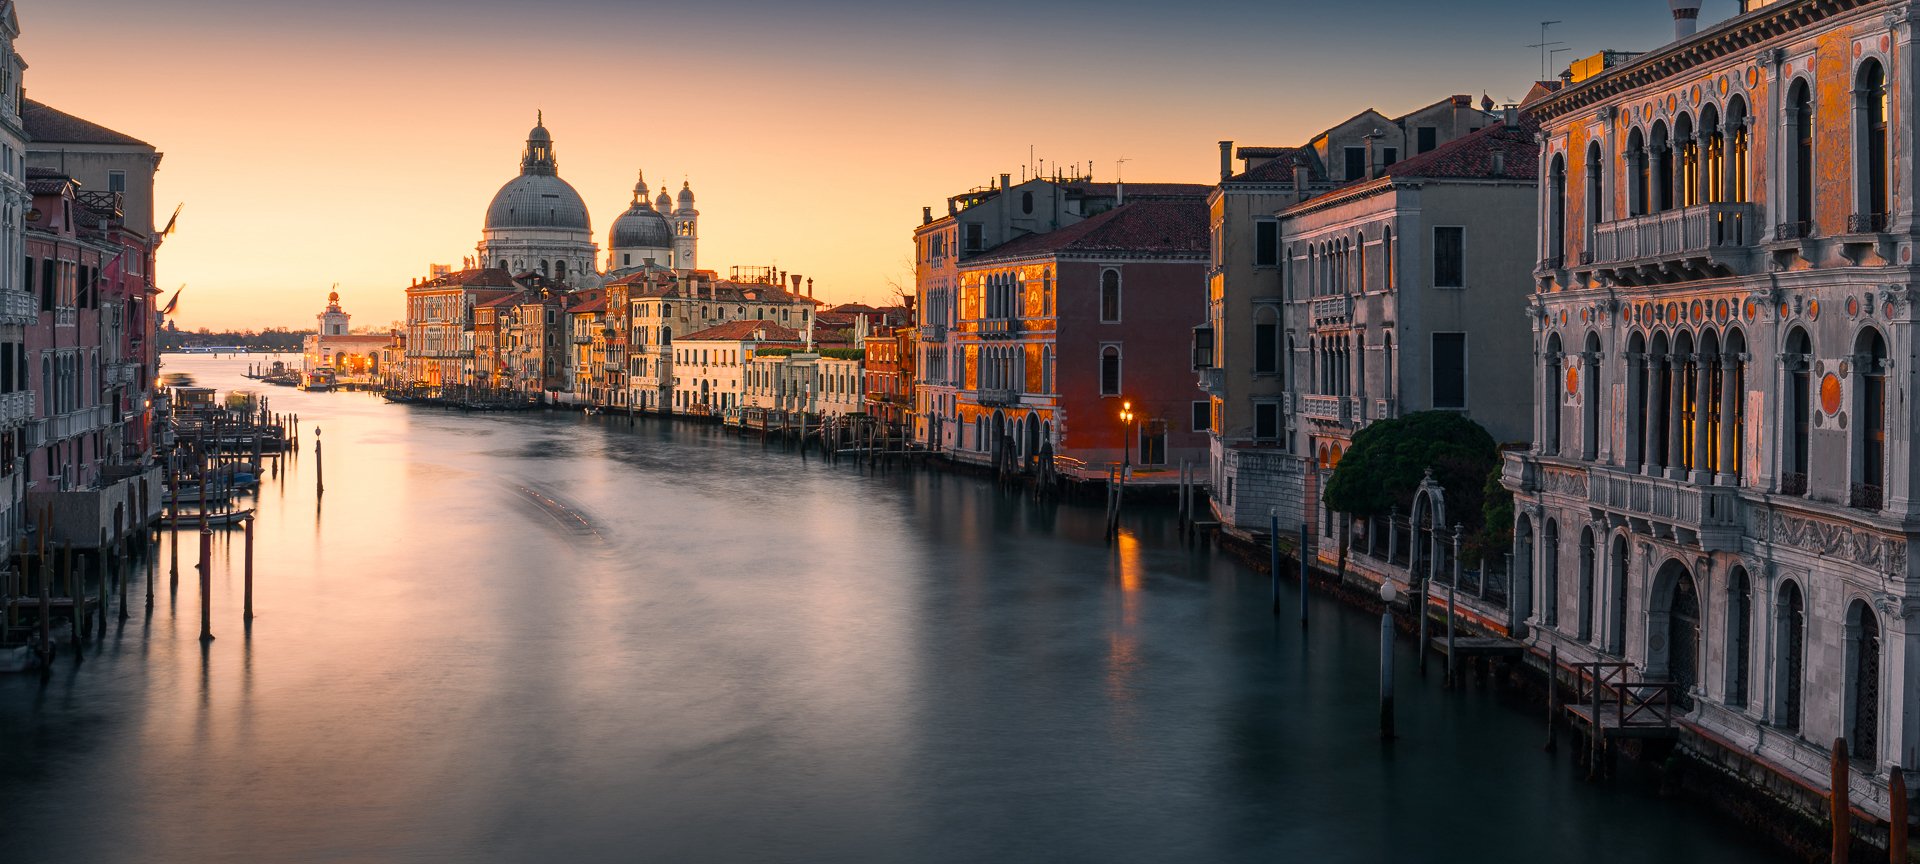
(1126, 436)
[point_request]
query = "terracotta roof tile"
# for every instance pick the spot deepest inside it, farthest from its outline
(1169, 226)
(742, 330)
(1471, 156)
(49, 124)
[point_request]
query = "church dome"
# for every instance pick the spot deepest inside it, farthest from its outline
(538, 198)
(665, 203)
(686, 196)
(538, 201)
(641, 227)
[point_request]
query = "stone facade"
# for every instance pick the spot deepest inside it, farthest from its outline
(1722, 485)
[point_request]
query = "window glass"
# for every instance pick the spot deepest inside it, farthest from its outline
(1449, 257)
(1449, 370)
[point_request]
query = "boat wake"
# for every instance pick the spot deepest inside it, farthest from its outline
(565, 516)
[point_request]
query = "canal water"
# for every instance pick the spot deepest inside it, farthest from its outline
(552, 637)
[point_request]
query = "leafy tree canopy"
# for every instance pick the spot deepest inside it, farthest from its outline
(1388, 458)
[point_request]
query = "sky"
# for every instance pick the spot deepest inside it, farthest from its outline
(358, 141)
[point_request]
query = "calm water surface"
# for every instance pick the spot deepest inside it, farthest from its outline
(563, 638)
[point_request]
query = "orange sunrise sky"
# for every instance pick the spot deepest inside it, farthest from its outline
(358, 141)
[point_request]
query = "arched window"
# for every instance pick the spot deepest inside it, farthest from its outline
(1738, 150)
(1584, 627)
(1589, 383)
(1638, 168)
(1617, 595)
(1869, 419)
(1026, 203)
(1596, 197)
(1550, 574)
(1713, 156)
(1388, 267)
(1551, 400)
(1686, 162)
(1557, 212)
(1800, 159)
(1863, 683)
(1739, 636)
(1870, 160)
(1110, 370)
(560, 270)
(1682, 430)
(1733, 408)
(1109, 296)
(1660, 152)
(1790, 653)
(1799, 419)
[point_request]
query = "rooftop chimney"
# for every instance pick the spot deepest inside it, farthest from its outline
(1499, 163)
(1119, 193)
(809, 286)
(1686, 17)
(1005, 178)
(926, 215)
(1226, 160)
(1300, 175)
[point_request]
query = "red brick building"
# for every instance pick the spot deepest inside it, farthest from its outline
(1058, 331)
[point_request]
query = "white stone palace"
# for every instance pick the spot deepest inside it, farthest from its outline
(1723, 490)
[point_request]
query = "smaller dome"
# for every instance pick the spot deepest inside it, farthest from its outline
(539, 132)
(686, 196)
(664, 203)
(641, 227)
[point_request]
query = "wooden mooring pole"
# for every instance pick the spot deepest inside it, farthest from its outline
(206, 584)
(1303, 575)
(1897, 821)
(319, 470)
(1273, 543)
(248, 614)
(1553, 694)
(1386, 664)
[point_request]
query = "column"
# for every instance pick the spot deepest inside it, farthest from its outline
(1703, 365)
(1730, 397)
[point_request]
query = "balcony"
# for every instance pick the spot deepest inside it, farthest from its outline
(1213, 381)
(933, 332)
(999, 328)
(18, 307)
(1692, 243)
(1326, 409)
(1332, 311)
(16, 408)
(997, 396)
(1691, 514)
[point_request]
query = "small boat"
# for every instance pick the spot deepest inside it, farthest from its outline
(191, 494)
(188, 520)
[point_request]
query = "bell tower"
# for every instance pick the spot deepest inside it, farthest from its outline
(686, 234)
(333, 322)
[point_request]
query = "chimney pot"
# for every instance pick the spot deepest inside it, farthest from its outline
(1226, 160)
(1686, 17)
(926, 215)
(1004, 181)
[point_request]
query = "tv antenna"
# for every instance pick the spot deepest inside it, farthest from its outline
(1543, 44)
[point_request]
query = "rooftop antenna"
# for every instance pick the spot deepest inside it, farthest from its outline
(1117, 165)
(1554, 53)
(1542, 45)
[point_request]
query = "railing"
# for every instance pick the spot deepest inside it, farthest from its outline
(1213, 380)
(1864, 496)
(19, 307)
(1796, 230)
(1689, 231)
(16, 407)
(1635, 704)
(1332, 409)
(933, 332)
(1332, 310)
(1866, 223)
(990, 327)
(108, 204)
(1793, 484)
(1712, 511)
(997, 396)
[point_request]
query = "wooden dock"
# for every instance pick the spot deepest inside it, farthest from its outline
(1652, 722)
(1470, 647)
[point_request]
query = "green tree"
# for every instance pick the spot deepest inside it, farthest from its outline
(1384, 466)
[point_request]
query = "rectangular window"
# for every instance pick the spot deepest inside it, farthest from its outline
(116, 181)
(1266, 347)
(1449, 257)
(1426, 138)
(1449, 370)
(1266, 420)
(1203, 348)
(1266, 243)
(1390, 155)
(975, 238)
(1356, 162)
(1202, 416)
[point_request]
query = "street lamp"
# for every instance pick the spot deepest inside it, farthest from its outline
(1126, 435)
